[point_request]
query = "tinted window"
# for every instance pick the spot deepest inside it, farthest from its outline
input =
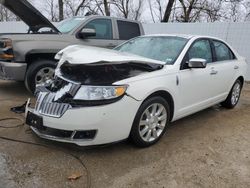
(128, 30)
(165, 49)
(103, 28)
(200, 49)
(222, 51)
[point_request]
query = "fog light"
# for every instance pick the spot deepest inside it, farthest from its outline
(90, 134)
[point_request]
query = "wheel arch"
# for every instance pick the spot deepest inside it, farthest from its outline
(31, 57)
(36, 63)
(241, 78)
(168, 97)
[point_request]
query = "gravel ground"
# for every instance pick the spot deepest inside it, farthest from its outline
(208, 149)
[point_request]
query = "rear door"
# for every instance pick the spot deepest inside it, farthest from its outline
(224, 68)
(127, 30)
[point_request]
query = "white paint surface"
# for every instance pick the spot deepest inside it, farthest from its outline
(236, 34)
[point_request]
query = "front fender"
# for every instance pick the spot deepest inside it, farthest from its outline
(24, 48)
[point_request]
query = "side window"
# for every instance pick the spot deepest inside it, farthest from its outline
(222, 51)
(103, 28)
(128, 30)
(200, 49)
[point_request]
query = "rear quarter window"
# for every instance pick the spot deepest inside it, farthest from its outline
(128, 30)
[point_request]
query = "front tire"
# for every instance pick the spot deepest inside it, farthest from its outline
(234, 95)
(38, 73)
(150, 122)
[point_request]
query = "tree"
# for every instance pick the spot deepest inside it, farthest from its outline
(60, 5)
(106, 7)
(168, 11)
(58, 10)
(6, 15)
(199, 10)
(247, 8)
(128, 8)
(187, 7)
(156, 8)
(235, 10)
(50, 9)
(136, 10)
(159, 10)
(122, 6)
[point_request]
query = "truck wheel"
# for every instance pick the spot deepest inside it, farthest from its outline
(150, 122)
(39, 72)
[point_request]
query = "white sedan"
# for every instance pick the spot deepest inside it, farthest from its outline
(99, 96)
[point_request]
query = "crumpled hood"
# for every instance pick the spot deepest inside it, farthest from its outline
(79, 54)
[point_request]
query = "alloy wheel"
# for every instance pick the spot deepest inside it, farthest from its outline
(235, 93)
(44, 75)
(152, 122)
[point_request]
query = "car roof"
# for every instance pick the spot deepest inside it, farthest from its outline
(187, 36)
(170, 35)
(101, 16)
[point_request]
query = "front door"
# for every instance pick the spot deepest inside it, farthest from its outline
(196, 84)
(104, 33)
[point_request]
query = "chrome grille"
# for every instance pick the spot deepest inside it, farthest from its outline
(46, 106)
(50, 102)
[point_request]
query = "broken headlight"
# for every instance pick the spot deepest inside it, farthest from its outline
(95, 93)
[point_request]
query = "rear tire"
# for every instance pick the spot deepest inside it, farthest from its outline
(234, 95)
(39, 72)
(150, 122)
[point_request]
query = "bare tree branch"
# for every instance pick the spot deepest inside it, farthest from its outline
(61, 14)
(168, 11)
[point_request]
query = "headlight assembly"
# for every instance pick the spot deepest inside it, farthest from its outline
(6, 49)
(97, 93)
(5, 43)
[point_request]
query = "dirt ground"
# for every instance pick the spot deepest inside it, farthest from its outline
(208, 149)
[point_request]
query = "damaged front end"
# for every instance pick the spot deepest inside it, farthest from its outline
(80, 85)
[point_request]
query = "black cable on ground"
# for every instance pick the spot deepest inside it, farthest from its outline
(12, 118)
(45, 146)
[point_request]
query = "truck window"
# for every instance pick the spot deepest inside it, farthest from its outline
(103, 28)
(128, 30)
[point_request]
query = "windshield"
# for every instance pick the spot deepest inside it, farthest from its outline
(162, 48)
(68, 25)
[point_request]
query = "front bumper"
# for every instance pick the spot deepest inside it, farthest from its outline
(12, 71)
(112, 122)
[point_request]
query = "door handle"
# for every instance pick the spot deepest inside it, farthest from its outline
(213, 72)
(236, 67)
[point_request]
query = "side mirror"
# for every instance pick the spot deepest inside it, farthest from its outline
(87, 32)
(197, 63)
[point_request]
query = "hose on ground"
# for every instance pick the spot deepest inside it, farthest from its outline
(42, 145)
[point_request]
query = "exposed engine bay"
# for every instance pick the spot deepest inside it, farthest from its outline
(105, 73)
(72, 77)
